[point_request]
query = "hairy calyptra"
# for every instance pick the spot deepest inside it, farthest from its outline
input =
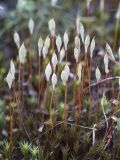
(97, 74)
(40, 45)
(51, 25)
(22, 54)
(31, 26)
(54, 80)
(66, 40)
(17, 39)
(48, 71)
(58, 42)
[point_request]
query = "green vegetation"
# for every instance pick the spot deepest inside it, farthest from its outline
(63, 93)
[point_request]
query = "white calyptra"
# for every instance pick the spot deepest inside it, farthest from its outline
(54, 60)
(79, 72)
(48, 71)
(64, 77)
(40, 45)
(109, 51)
(17, 39)
(47, 42)
(106, 59)
(117, 16)
(77, 42)
(51, 25)
(67, 69)
(58, 42)
(76, 54)
(62, 54)
(102, 4)
(12, 69)
(87, 43)
(54, 2)
(97, 74)
(88, 3)
(92, 47)
(82, 32)
(54, 80)
(44, 51)
(78, 24)
(9, 79)
(66, 40)
(21, 3)
(106, 63)
(31, 25)
(22, 54)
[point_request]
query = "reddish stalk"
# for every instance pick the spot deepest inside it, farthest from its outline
(58, 69)
(89, 77)
(19, 108)
(12, 93)
(19, 96)
(66, 55)
(30, 65)
(97, 107)
(116, 35)
(42, 82)
(79, 100)
(30, 70)
(10, 122)
(53, 44)
(118, 97)
(113, 89)
(45, 99)
(83, 78)
(74, 89)
(65, 100)
(58, 64)
(82, 89)
(22, 80)
(57, 85)
(38, 101)
(51, 102)
(89, 86)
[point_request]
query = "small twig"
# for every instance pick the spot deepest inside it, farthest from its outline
(104, 112)
(102, 81)
(105, 148)
(93, 134)
(84, 127)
